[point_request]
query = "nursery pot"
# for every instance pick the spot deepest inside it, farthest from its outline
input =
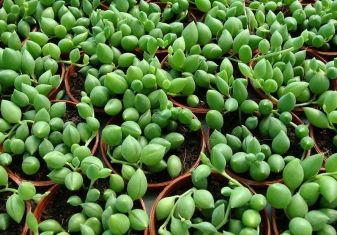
(47, 200)
(185, 182)
(27, 203)
(251, 182)
(155, 185)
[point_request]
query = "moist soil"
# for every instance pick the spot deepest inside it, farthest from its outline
(76, 85)
(41, 174)
(14, 228)
(323, 138)
(72, 115)
(58, 208)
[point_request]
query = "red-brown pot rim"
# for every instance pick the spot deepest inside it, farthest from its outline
(186, 179)
(196, 111)
(41, 206)
(250, 182)
(54, 92)
(71, 70)
(160, 185)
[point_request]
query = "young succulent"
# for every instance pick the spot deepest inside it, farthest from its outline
(201, 208)
(307, 196)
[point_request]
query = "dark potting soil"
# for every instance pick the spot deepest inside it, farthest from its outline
(41, 174)
(76, 85)
(58, 208)
(14, 228)
(189, 153)
(323, 139)
(72, 115)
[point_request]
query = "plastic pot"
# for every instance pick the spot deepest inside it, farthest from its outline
(184, 182)
(156, 185)
(47, 200)
(251, 182)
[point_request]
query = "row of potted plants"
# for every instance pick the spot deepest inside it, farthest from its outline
(152, 69)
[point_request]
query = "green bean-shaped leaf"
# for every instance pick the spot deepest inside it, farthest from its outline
(293, 174)
(15, 207)
(137, 185)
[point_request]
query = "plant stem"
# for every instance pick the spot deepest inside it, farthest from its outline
(89, 140)
(71, 166)
(272, 54)
(8, 190)
(234, 181)
(190, 191)
(71, 63)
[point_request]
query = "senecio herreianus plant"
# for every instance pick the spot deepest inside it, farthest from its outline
(202, 209)
(306, 197)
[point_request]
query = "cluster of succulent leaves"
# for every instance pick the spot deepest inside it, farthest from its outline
(235, 210)
(15, 202)
(260, 144)
(102, 212)
(307, 196)
(149, 134)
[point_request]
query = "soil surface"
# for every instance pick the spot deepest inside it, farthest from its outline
(72, 115)
(323, 139)
(41, 174)
(76, 85)
(14, 228)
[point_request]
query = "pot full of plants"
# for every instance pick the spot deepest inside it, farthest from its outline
(305, 202)
(16, 200)
(209, 201)
(45, 127)
(255, 141)
(97, 203)
(164, 142)
(322, 123)
(307, 78)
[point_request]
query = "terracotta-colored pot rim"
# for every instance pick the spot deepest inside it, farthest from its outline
(42, 205)
(54, 92)
(159, 185)
(176, 184)
(71, 70)
(323, 54)
(250, 182)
